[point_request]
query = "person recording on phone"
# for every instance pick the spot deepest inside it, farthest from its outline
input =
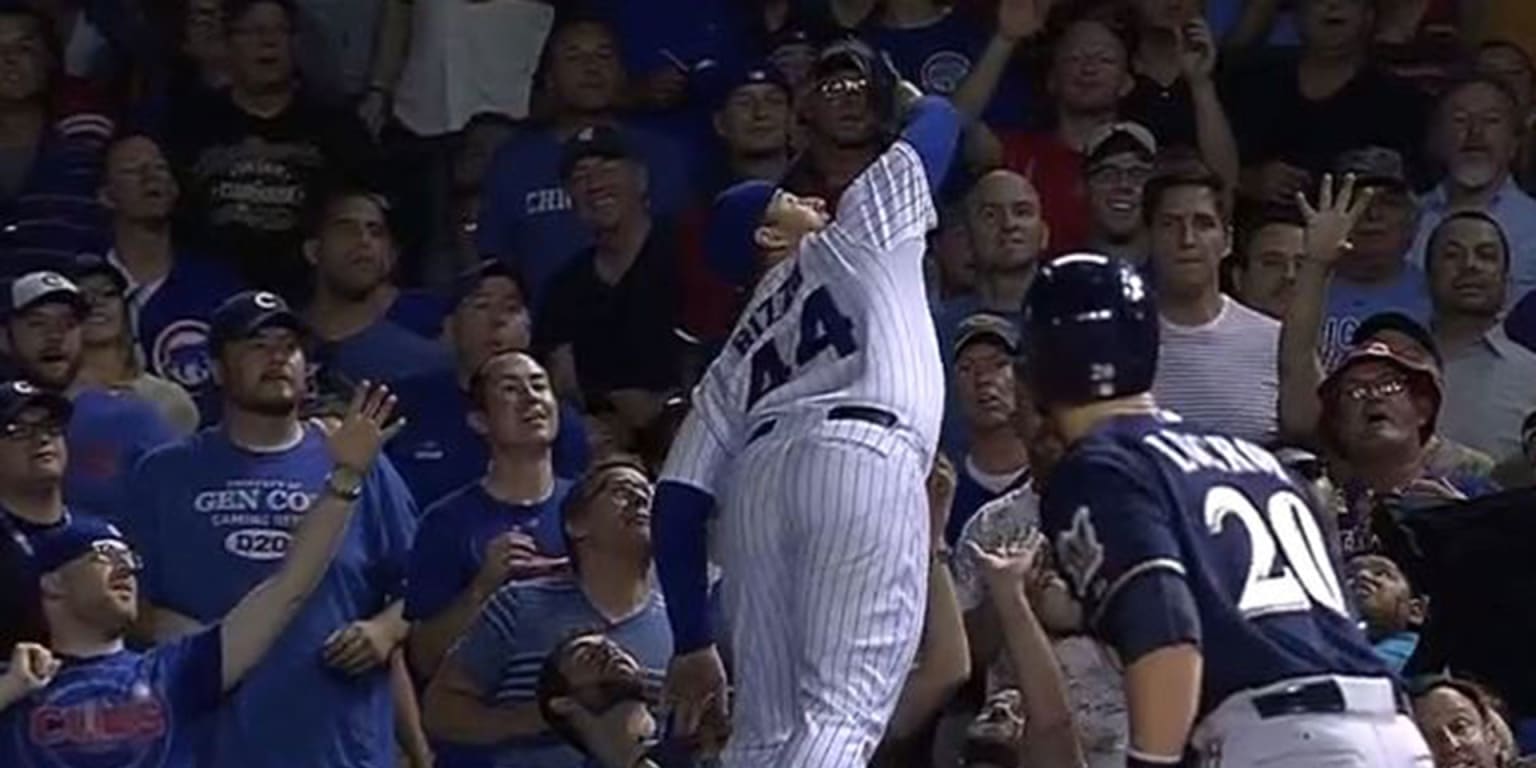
(216, 514)
(480, 707)
(88, 587)
(501, 528)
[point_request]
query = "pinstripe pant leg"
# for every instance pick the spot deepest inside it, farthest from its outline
(860, 587)
(756, 558)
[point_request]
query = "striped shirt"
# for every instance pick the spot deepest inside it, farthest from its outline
(505, 648)
(1223, 375)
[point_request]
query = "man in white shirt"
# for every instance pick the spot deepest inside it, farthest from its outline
(1217, 359)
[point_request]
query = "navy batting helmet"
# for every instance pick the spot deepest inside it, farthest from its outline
(1091, 330)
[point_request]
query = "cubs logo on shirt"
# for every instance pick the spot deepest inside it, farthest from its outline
(88, 721)
(180, 353)
(944, 71)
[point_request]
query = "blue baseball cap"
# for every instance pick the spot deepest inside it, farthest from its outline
(732, 227)
(470, 279)
(79, 535)
(243, 315)
(17, 396)
(729, 79)
(592, 141)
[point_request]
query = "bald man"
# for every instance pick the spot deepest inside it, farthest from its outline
(1008, 235)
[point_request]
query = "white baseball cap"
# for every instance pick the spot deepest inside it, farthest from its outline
(43, 287)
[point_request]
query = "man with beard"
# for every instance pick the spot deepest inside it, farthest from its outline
(1476, 134)
(593, 693)
(33, 456)
(150, 704)
(1488, 378)
(438, 452)
(170, 290)
(352, 250)
(844, 133)
(504, 527)
(485, 695)
(214, 515)
(1117, 165)
(111, 429)
(997, 459)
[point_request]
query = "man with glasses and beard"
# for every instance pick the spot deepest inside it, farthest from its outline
(147, 708)
(215, 515)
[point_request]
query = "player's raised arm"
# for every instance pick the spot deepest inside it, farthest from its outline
(256, 621)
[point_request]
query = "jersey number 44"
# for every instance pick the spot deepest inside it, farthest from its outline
(822, 327)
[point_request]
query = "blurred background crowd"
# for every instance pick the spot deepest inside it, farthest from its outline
(497, 208)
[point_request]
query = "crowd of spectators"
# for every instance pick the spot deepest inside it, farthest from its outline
(222, 219)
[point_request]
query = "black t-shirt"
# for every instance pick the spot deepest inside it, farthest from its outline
(249, 181)
(1274, 121)
(623, 336)
(1169, 113)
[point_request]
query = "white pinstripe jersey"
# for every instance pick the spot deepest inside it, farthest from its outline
(845, 321)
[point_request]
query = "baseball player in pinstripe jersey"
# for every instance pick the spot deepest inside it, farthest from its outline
(813, 430)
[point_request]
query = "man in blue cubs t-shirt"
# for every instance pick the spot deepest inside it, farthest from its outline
(502, 527)
(110, 429)
(104, 705)
(1194, 554)
(437, 452)
(214, 516)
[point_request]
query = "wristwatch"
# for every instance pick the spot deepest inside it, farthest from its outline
(344, 483)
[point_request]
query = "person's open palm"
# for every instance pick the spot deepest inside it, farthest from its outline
(1008, 566)
(355, 442)
(1334, 217)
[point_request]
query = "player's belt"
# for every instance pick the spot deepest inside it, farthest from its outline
(1317, 697)
(866, 413)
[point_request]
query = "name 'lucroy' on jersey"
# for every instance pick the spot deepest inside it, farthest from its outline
(1145, 494)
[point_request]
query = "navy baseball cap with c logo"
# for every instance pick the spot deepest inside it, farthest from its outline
(243, 315)
(17, 396)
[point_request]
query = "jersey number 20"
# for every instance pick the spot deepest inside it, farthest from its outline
(822, 326)
(1293, 578)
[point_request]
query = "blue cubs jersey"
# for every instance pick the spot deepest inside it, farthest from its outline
(1149, 498)
(122, 709)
